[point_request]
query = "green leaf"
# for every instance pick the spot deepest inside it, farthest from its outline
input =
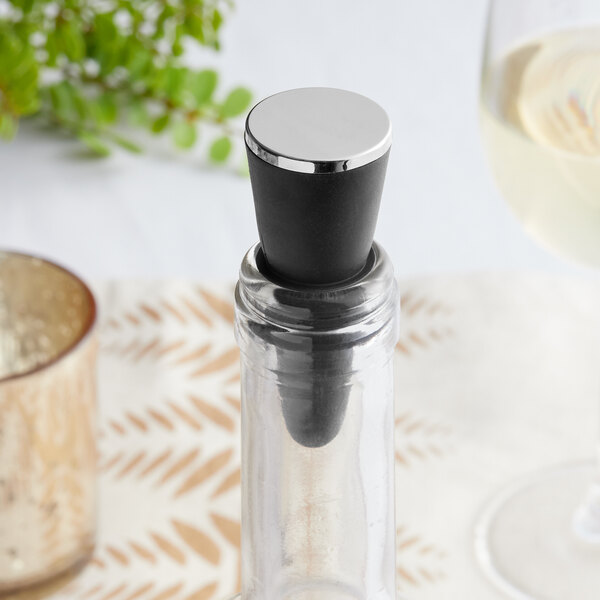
(94, 143)
(8, 126)
(27, 5)
(19, 92)
(184, 134)
(106, 43)
(194, 26)
(58, 99)
(138, 114)
(180, 31)
(177, 48)
(68, 103)
(71, 40)
(104, 108)
(160, 124)
(157, 80)
(217, 20)
(126, 144)
(139, 64)
(63, 97)
(220, 149)
(82, 106)
(174, 78)
(51, 48)
(165, 15)
(202, 85)
(236, 102)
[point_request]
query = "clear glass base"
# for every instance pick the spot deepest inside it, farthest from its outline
(529, 539)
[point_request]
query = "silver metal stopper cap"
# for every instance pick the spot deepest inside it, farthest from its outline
(318, 130)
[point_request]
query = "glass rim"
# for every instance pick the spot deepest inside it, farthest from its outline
(333, 309)
(79, 339)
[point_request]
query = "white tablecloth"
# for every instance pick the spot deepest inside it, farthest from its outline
(496, 377)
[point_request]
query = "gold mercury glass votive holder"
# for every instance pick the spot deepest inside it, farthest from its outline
(47, 421)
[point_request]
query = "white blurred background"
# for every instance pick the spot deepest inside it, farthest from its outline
(160, 214)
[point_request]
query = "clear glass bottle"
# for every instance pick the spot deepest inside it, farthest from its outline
(317, 434)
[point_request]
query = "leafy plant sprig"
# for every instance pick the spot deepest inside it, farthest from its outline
(87, 65)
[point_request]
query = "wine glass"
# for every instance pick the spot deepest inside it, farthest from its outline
(540, 118)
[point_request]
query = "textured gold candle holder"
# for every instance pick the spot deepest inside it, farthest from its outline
(47, 421)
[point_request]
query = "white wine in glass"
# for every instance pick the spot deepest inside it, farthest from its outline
(540, 116)
(541, 125)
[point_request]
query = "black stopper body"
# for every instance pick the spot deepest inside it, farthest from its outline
(317, 159)
(314, 413)
(316, 228)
